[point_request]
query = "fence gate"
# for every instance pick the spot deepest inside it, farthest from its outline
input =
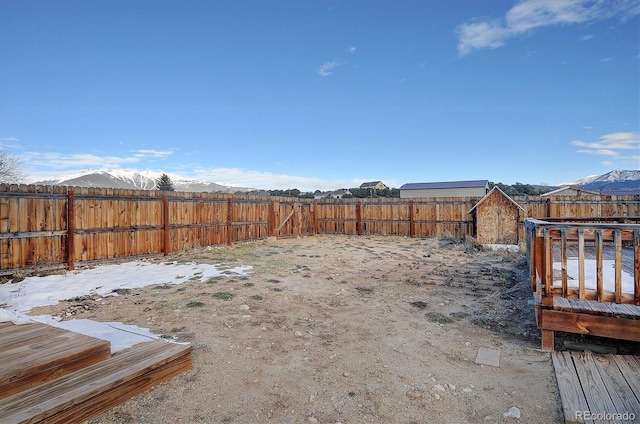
(307, 224)
(293, 218)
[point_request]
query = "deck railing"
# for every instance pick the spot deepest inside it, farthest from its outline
(549, 243)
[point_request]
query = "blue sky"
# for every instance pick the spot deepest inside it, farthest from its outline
(322, 94)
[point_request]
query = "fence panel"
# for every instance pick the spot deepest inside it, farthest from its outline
(32, 226)
(337, 216)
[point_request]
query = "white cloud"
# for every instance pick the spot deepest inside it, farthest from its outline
(586, 37)
(10, 143)
(528, 15)
(88, 160)
(327, 68)
(266, 180)
(480, 35)
(52, 165)
(239, 177)
(614, 145)
(618, 140)
(152, 153)
(49, 165)
(352, 49)
(602, 152)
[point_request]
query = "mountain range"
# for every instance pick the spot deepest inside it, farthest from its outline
(613, 181)
(135, 180)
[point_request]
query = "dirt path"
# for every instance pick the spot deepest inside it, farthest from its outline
(343, 329)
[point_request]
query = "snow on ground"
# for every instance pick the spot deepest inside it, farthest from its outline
(608, 275)
(17, 299)
(507, 247)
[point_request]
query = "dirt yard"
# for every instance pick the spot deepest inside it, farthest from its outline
(330, 329)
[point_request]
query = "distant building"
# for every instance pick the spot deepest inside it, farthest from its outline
(373, 185)
(571, 191)
(475, 188)
(338, 194)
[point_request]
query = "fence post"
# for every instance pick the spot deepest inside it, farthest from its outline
(316, 230)
(548, 207)
(165, 222)
(412, 220)
(71, 230)
(272, 217)
(297, 218)
(636, 267)
(359, 217)
(230, 221)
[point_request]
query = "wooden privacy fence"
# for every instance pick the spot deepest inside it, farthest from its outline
(53, 226)
(404, 217)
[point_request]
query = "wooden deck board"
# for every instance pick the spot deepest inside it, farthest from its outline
(17, 335)
(594, 388)
(44, 353)
(573, 398)
(88, 392)
(593, 307)
(622, 396)
(630, 368)
(591, 384)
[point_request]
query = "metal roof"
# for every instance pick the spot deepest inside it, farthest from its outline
(445, 184)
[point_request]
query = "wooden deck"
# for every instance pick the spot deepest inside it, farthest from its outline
(57, 376)
(598, 299)
(598, 388)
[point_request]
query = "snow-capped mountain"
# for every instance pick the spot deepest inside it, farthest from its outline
(616, 180)
(136, 180)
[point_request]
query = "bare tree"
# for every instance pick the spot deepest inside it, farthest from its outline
(10, 168)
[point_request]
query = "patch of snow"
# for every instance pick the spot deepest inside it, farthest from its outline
(507, 247)
(103, 280)
(608, 275)
(17, 299)
(121, 336)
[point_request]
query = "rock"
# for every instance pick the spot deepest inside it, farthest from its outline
(413, 395)
(467, 390)
(451, 386)
(512, 412)
(312, 420)
(437, 396)
(243, 308)
(438, 388)
(488, 357)
(346, 374)
(298, 334)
